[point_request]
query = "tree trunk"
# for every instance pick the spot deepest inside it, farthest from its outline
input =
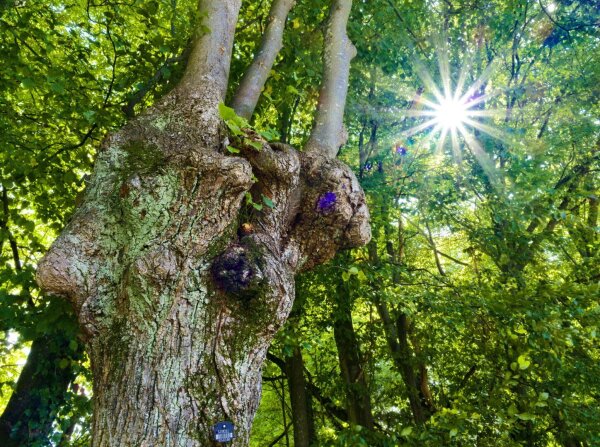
(358, 397)
(177, 299)
(301, 402)
(39, 393)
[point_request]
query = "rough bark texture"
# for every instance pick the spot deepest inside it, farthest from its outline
(178, 286)
(248, 92)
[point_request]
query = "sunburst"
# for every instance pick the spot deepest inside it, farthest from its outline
(455, 112)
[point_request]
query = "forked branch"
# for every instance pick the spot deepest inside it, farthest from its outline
(328, 133)
(248, 93)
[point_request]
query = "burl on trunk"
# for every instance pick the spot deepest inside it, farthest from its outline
(178, 286)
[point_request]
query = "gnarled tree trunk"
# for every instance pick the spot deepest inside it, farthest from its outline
(180, 288)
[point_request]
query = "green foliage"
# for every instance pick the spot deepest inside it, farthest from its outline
(242, 133)
(498, 280)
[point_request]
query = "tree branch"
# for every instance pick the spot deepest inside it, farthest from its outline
(210, 59)
(4, 225)
(328, 133)
(328, 405)
(280, 437)
(248, 92)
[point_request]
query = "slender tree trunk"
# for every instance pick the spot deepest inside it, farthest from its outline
(178, 305)
(358, 397)
(39, 393)
(396, 335)
(301, 402)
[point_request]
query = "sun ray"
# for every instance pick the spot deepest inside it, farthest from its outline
(462, 78)
(475, 100)
(489, 113)
(480, 81)
(484, 160)
(491, 131)
(427, 79)
(416, 129)
(444, 64)
(441, 142)
(455, 145)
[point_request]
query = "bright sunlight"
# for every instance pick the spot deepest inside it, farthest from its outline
(450, 113)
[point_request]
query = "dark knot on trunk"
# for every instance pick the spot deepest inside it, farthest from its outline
(238, 271)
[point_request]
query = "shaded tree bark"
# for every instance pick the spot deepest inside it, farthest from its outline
(179, 307)
(358, 398)
(300, 400)
(40, 392)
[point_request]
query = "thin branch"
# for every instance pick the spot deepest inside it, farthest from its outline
(401, 20)
(69, 147)
(248, 92)
(113, 66)
(328, 133)
(328, 405)
(280, 437)
(4, 225)
(207, 71)
(436, 255)
(472, 370)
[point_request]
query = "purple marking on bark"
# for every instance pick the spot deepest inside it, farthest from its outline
(327, 202)
(400, 150)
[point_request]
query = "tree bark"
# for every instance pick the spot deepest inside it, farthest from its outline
(248, 92)
(177, 304)
(300, 400)
(358, 397)
(328, 133)
(39, 393)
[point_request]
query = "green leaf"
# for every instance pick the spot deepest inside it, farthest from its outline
(254, 144)
(89, 116)
(453, 432)
(406, 431)
(226, 113)
(525, 416)
(234, 128)
(523, 362)
(269, 134)
(28, 83)
(233, 150)
(267, 201)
